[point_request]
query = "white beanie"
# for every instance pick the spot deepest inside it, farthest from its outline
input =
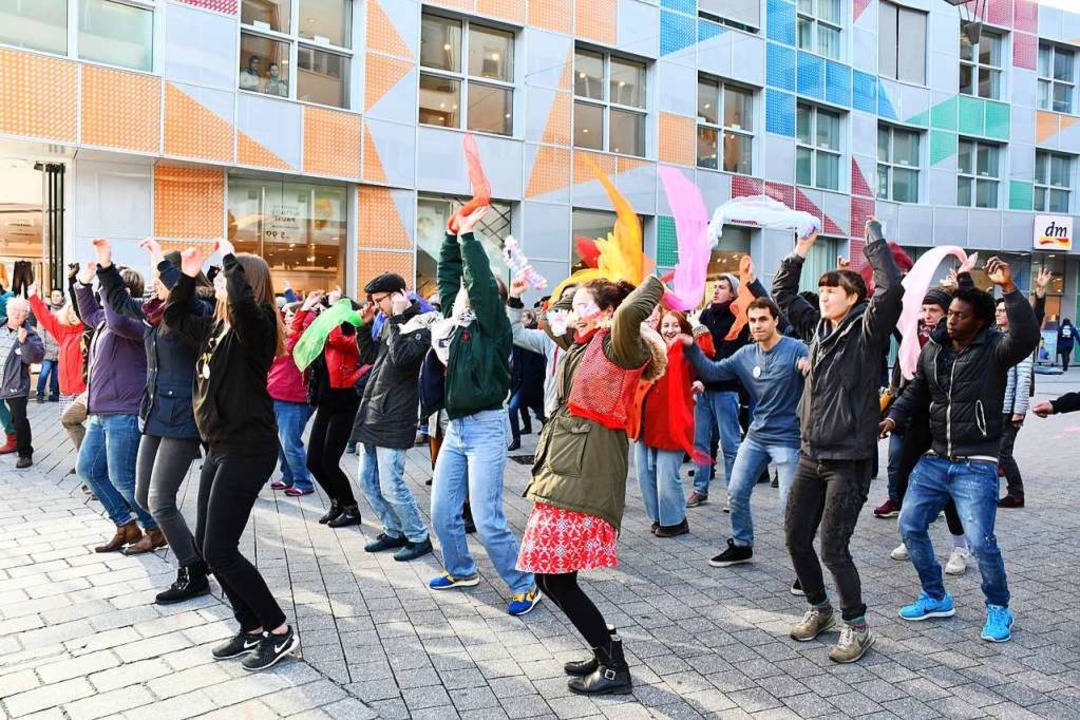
(732, 281)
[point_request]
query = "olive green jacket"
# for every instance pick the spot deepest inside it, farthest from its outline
(582, 465)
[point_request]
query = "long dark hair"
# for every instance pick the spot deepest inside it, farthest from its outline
(609, 295)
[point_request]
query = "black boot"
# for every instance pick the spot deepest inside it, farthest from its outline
(582, 668)
(612, 677)
(349, 515)
(332, 513)
(190, 583)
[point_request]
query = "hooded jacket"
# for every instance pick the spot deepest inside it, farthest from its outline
(966, 388)
(116, 373)
(840, 409)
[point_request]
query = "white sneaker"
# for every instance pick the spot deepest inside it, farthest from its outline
(900, 553)
(958, 561)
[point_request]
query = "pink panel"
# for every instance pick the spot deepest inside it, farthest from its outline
(829, 227)
(860, 208)
(858, 7)
(1026, 15)
(857, 256)
(745, 186)
(1000, 13)
(783, 193)
(859, 186)
(1025, 50)
(222, 6)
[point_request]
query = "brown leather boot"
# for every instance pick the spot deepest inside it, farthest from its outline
(126, 534)
(11, 446)
(152, 540)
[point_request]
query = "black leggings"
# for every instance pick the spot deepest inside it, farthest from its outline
(228, 488)
(564, 591)
(329, 435)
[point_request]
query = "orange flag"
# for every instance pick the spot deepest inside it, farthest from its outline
(480, 186)
(742, 299)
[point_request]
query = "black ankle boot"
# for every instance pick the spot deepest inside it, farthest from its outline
(349, 515)
(190, 583)
(582, 668)
(612, 677)
(332, 513)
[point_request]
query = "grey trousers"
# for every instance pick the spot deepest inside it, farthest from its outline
(73, 418)
(160, 469)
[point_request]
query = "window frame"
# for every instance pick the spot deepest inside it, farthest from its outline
(293, 40)
(720, 128)
(978, 67)
(975, 178)
(890, 164)
(901, 11)
(1046, 186)
(815, 149)
(1051, 82)
(465, 79)
(816, 22)
(606, 105)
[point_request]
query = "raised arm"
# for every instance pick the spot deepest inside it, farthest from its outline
(785, 290)
(253, 323)
(712, 370)
(885, 307)
(449, 273)
(49, 321)
(89, 310)
(116, 295)
(627, 349)
(1023, 336)
(177, 317)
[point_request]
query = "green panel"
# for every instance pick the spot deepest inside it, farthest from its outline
(942, 145)
(997, 120)
(921, 120)
(1020, 195)
(943, 115)
(667, 246)
(972, 114)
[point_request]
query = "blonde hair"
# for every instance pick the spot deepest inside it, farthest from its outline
(257, 274)
(68, 316)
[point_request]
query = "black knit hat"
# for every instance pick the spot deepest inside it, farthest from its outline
(385, 283)
(938, 296)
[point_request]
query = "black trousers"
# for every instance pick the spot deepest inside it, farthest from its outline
(829, 494)
(23, 436)
(1066, 355)
(228, 488)
(329, 435)
(564, 591)
(1014, 482)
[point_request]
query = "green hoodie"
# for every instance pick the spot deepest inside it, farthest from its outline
(478, 373)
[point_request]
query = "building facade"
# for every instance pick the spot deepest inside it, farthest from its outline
(326, 135)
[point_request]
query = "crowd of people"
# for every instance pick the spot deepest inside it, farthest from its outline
(218, 365)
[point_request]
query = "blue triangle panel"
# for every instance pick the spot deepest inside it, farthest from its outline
(707, 30)
(677, 32)
(885, 107)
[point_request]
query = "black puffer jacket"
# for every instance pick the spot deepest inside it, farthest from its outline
(839, 409)
(390, 407)
(965, 389)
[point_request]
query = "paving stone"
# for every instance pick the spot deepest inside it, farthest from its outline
(108, 703)
(47, 696)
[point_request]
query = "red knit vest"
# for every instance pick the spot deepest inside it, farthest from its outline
(603, 392)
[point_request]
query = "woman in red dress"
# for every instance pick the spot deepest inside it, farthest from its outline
(579, 479)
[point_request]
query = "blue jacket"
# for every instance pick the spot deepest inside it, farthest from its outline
(15, 360)
(116, 373)
(165, 409)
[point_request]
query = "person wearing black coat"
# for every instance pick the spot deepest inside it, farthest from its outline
(1065, 340)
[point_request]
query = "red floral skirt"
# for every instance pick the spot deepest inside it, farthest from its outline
(562, 541)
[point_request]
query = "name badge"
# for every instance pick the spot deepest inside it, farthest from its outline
(757, 371)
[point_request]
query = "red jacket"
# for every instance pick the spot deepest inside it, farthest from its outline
(69, 337)
(668, 413)
(341, 353)
(285, 382)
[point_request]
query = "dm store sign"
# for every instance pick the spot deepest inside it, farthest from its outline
(1053, 232)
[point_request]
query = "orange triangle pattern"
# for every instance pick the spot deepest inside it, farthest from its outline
(1047, 125)
(373, 167)
(382, 35)
(1067, 121)
(380, 224)
(192, 130)
(381, 74)
(251, 152)
(550, 171)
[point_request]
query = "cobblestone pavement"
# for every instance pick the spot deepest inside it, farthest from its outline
(80, 637)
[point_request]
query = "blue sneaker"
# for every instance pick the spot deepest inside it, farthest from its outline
(523, 603)
(998, 627)
(927, 607)
(447, 581)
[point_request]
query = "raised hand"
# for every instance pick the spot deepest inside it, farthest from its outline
(518, 286)
(467, 223)
(334, 295)
(191, 261)
(1042, 281)
(313, 298)
(746, 270)
(31, 290)
(223, 246)
(86, 275)
(400, 303)
(367, 314)
(802, 247)
(153, 247)
(999, 273)
(843, 263)
(103, 250)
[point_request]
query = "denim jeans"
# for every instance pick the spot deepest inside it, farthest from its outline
(973, 485)
(50, 370)
(661, 486)
(753, 458)
(471, 464)
(382, 477)
(519, 410)
(5, 419)
(292, 418)
(107, 464)
(716, 410)
(896, 450)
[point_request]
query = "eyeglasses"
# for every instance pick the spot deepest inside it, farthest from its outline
(379, 299)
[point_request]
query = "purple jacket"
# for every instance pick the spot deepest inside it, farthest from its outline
(116, 375)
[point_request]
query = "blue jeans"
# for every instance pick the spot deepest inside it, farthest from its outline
(973, 485)
(50, 370)
(716, 411)
(660, 483)
(5, 419)
(753, 458)
(382, 476)
(471, 463)
(292, 418)
(107, 464)
(896, 448)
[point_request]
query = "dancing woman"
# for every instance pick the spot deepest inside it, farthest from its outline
(235, 416)
(579, 479)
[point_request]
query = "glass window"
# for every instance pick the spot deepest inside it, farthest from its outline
(978, 173)
(298, 228)
(258, 54)
(898, 164)
(1053, 182)
(484, 88)
(981, 65)
(902, 43)
(727, 256)
(736, 130)
(116, 34)
(819, 27)
(432, 213)
(820, 260)
(1057, 78)
(817, 152)
(610, 94)
(273, 15)
(740, 14)
(326, 22)
(322, 77)
(35, 24)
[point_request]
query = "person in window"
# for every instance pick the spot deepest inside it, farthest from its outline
(275, 84)
(250, 79)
